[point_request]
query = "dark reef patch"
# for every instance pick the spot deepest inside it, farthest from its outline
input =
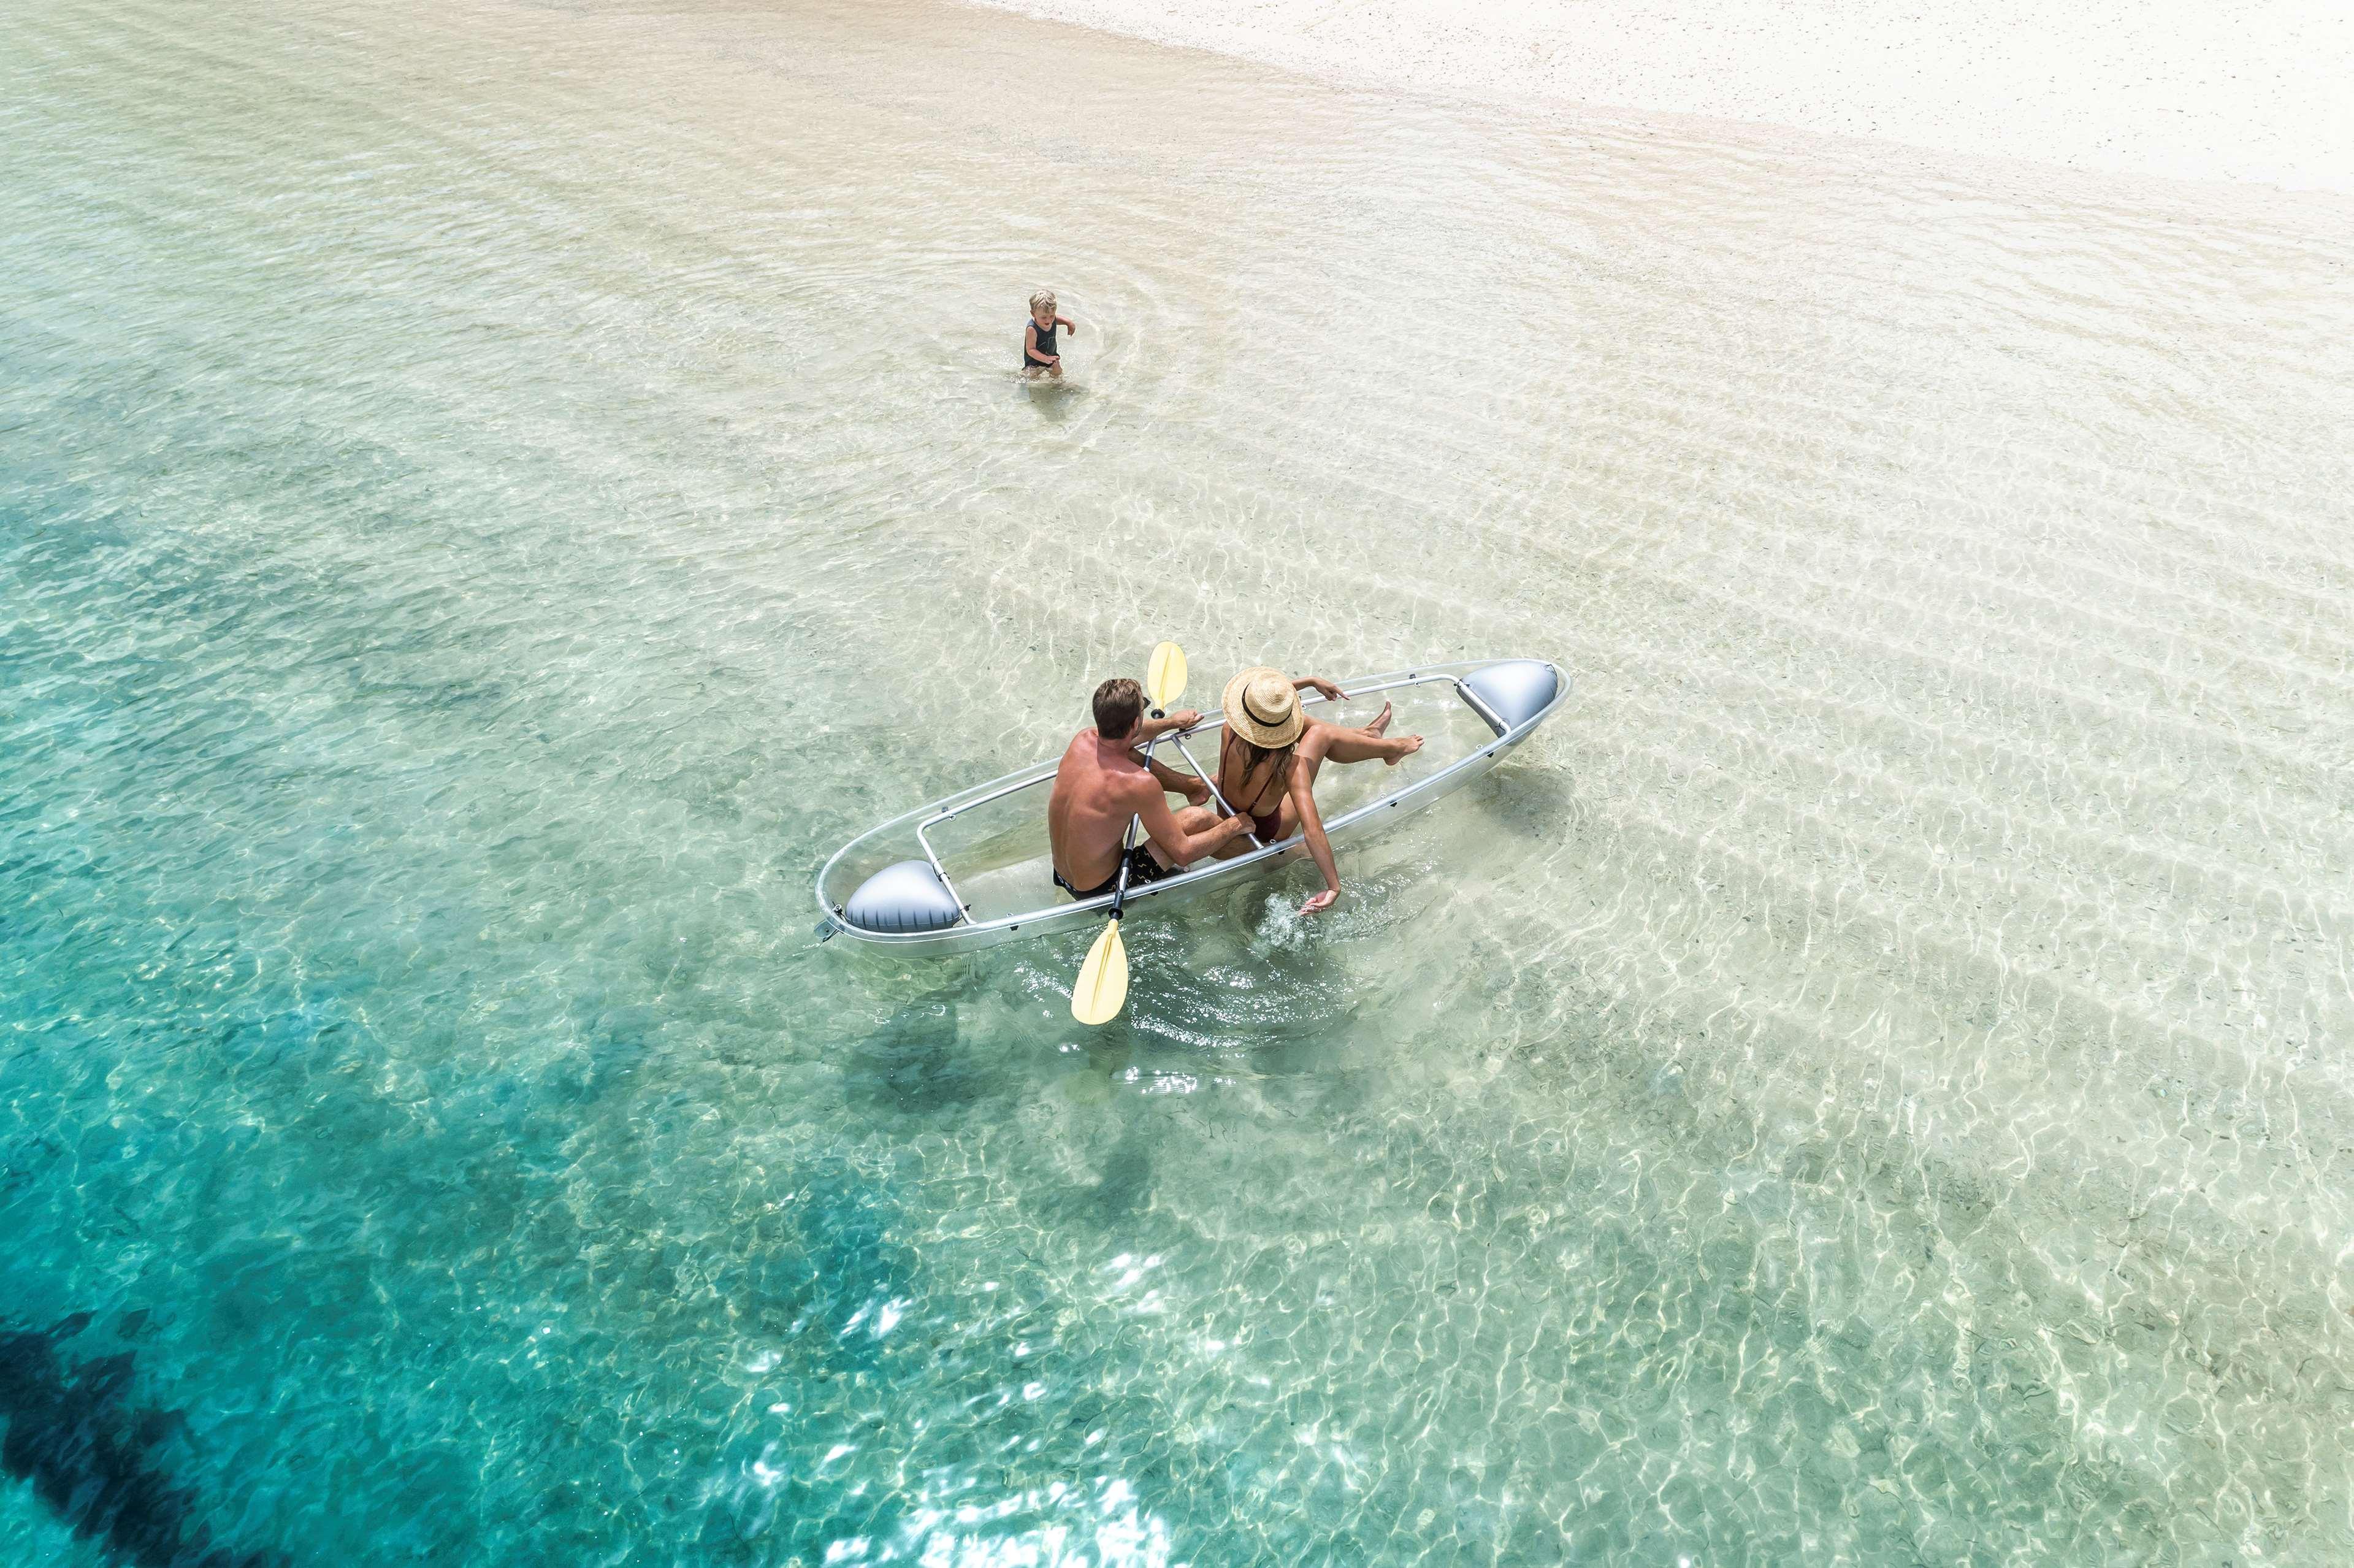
(91, 1455)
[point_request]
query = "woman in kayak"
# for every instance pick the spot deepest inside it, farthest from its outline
(1271, 753)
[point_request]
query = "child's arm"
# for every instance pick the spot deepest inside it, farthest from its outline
(1029, 340)
(1067, 322)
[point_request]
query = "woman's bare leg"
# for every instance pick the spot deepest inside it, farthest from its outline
(1359, 744)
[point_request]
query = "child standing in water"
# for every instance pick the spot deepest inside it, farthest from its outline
(1038, 336)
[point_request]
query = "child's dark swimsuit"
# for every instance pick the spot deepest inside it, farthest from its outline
(1045, 345)
(1141, 868)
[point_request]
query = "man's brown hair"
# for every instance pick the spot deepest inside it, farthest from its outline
(1120, 702)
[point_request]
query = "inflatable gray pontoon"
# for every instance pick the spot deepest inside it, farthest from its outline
(877, 890)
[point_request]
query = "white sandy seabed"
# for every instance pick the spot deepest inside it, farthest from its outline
(2242, 90)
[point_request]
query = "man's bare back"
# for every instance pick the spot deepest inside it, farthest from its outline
(1101, 784)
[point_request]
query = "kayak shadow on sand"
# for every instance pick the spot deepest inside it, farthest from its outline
(917, 1063)
(1533, 803)
(1123, 1184)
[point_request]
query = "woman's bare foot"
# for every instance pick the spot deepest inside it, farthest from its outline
(1406, 746)
(1381, 722)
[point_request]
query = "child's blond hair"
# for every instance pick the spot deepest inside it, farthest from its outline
(1044, 299)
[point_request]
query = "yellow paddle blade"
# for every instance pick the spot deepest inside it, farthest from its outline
(1102, 990)
(1164, 677)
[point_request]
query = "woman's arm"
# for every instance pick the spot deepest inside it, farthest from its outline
(1321, 686)
(1319, 848)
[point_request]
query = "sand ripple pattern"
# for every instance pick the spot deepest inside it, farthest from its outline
(491, 493)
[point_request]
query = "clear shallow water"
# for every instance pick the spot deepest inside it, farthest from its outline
(493, 495)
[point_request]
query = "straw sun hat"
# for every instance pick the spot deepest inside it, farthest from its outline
(1263, 708)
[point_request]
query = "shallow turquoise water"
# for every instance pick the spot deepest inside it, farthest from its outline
(493, 495)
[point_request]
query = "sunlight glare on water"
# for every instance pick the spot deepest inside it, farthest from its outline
(492, 494)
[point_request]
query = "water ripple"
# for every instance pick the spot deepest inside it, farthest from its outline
(496, 492)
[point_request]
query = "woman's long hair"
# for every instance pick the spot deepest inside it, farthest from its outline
(1254, 754)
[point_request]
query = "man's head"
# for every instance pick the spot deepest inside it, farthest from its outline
(1120, 702)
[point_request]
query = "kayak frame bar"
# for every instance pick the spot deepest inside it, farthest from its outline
(934, 856)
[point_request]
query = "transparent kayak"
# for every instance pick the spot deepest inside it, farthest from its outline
(974, 869)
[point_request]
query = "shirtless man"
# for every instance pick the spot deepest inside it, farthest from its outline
(1101, 783)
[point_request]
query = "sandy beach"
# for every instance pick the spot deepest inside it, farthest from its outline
(2250, 90)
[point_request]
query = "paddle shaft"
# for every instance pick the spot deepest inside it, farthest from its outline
(1128, 837)
(1103, 978)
